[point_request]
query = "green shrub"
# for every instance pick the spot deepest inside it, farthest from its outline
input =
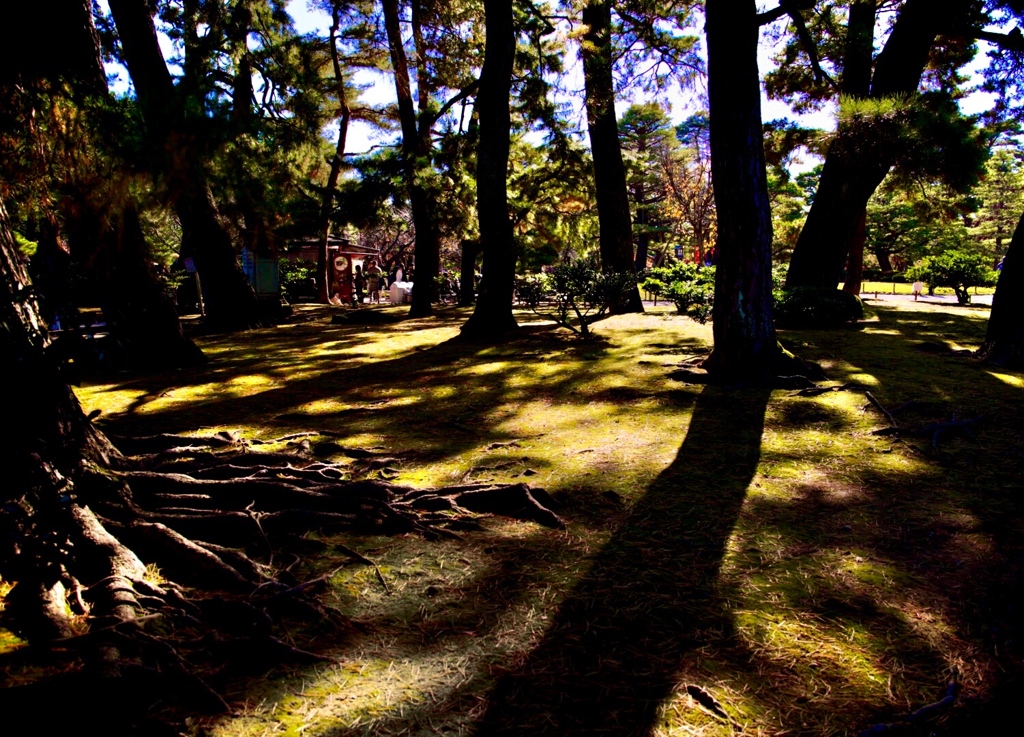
(959, 270)
(574, 289)
(655, 287)
(816, 307)
(297, 279)
(695, 299)
(690, 287)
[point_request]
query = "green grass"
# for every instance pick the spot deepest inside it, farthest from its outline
(765, 548)
(881, 287)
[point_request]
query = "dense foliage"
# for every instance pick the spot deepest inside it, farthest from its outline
(956, 269)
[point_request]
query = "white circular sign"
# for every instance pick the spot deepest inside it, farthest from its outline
(340, 263)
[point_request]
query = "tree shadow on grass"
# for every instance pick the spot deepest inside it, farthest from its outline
(615, 650)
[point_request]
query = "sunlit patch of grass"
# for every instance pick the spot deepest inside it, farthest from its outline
(8, 640)
(1014, 380)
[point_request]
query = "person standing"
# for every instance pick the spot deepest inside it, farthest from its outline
(360, 284)
(373, 274)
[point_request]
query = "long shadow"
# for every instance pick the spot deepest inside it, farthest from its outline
(615, 650)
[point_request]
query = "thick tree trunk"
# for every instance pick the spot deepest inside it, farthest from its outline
(230, 300)
(884, 262)
(227, 295)
(616, 231)
(1004, 341)
(467, 273)
(68, 47)
(856, 163)
(493, 317)
(855, 262)
(745, 347)
(49, 416)
(53, 437)
(141, 315)
(416, 154)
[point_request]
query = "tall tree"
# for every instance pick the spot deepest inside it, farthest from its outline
(745, 347)
(609, 170)
(691, 196)
(1001, 198)
(344, 117)
(230, 300)
(492, 316)
(650, 146)
(417, 123)
(863, 150)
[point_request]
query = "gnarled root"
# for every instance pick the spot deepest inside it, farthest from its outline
(212, 516)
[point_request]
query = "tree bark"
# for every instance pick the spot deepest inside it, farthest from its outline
(70, 51)
(856, 164)
(416, 155)
(467, 273)
(616, 231)
(49, 415)
(493, 317)
(53, 438)
(643, 236)
(1004, 340)
(322, 266)
(855, 262)
(230, 300)
(141, 315)
(745, 347)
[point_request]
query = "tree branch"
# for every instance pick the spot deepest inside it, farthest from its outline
(1012, 41)
(786, 7)
(463, 94)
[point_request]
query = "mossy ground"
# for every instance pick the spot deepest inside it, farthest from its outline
(759, 548)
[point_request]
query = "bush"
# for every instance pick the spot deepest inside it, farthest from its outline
(959, 270)
(297, 279)
(690, 287)
(655, 287)
(574, 288)
(816, 307)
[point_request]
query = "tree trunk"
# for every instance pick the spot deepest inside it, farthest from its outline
(49, 415)
(616, 231)
(323, 286)
(467, 273)
(230, 300)
(643, 235)
(416, 155)
(882, 256)
(141, 315)
(52, 439)
(745, 347)
(493, 317)
(227, 295)
(68, 49)
(1004, 341)
(856, 163)
(855, 263)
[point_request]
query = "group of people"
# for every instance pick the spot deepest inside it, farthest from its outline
(370, 280)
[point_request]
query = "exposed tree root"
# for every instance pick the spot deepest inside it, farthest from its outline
(934, 431)
(923, 715)
(217, 520)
